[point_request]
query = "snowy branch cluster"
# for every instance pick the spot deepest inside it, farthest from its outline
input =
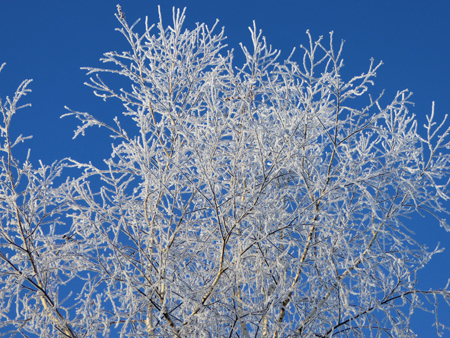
(248, 202)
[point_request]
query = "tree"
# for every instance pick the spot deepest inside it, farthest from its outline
(248, 202)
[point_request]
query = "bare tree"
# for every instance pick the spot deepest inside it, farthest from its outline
(248, 202)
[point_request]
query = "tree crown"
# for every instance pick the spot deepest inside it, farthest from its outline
(252, 201)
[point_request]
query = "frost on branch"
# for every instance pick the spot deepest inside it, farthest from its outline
(252, 201)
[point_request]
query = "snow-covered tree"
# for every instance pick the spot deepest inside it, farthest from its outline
(253, 201)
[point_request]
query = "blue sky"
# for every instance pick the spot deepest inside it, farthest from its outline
(49, 41)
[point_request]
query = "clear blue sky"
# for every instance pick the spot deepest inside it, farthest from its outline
(50, 40)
